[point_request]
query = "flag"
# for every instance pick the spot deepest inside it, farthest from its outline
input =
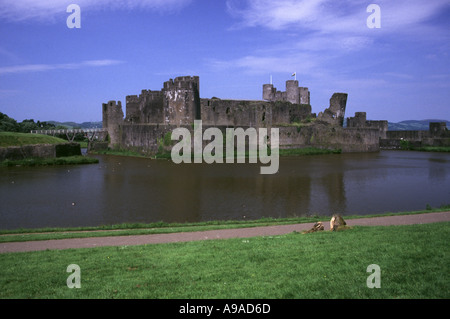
(294, 74)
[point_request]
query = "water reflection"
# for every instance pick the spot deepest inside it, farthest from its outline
(121, 189)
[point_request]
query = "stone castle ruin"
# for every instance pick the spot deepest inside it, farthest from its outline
(152, 114)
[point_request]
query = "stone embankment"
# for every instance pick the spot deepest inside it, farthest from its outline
(39, 151)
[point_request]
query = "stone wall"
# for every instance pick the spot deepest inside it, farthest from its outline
(145, 108)
(407, 135)
(437, 135)
(145, 138)
(252, 113)
(234, 112)
(330, 137)
(39, 151)
(335, 113)
(359, 120)
(67, 149)
(97, 146)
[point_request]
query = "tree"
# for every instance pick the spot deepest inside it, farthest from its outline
(8, 124)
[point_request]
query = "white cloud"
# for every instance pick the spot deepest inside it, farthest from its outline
(27, 68)
(275, 14)
(348, 16)
(47, 10)
(310, 34)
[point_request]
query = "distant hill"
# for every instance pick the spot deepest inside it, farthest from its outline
(413, 125)
(71, 125)
(408, 125)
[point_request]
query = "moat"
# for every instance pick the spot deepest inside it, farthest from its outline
(126, 189)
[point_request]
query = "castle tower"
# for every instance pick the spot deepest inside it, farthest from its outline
(181, 98)
(292, 92)
(132, 108)
(304, 95)
(112, 116)
(269, 92)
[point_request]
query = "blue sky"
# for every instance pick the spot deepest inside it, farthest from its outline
(397, 72)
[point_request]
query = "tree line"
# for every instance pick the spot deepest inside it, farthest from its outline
(8, 124)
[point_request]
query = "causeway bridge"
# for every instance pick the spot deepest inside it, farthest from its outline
(89, 133)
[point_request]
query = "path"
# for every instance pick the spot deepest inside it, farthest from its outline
(213, 234)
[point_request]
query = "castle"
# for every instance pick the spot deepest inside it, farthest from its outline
(152, 114)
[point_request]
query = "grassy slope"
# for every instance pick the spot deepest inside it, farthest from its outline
(19, 139)
(413, 259)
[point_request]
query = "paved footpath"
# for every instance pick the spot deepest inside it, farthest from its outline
(213, 234)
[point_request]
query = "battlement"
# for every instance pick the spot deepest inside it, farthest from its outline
(112, 112)
(131, 98)
(183, 82)
(112, 103)
(360, 120)
(293, 94)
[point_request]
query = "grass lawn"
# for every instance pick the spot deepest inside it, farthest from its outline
(125, 229)
(19, 139)
(167, 154)
(413, 260)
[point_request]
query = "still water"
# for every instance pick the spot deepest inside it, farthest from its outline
(125, 189)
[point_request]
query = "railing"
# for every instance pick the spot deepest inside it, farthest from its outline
(90, 133)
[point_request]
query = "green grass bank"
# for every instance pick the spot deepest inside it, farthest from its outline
(8, 139)
(167, 155)
(20, 139)
(413, 261)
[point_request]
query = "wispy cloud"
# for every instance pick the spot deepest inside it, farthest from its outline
(28, 68)
(274, 14)
(318, 31)
(264, 64)
(347, 16)
(47, 10)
